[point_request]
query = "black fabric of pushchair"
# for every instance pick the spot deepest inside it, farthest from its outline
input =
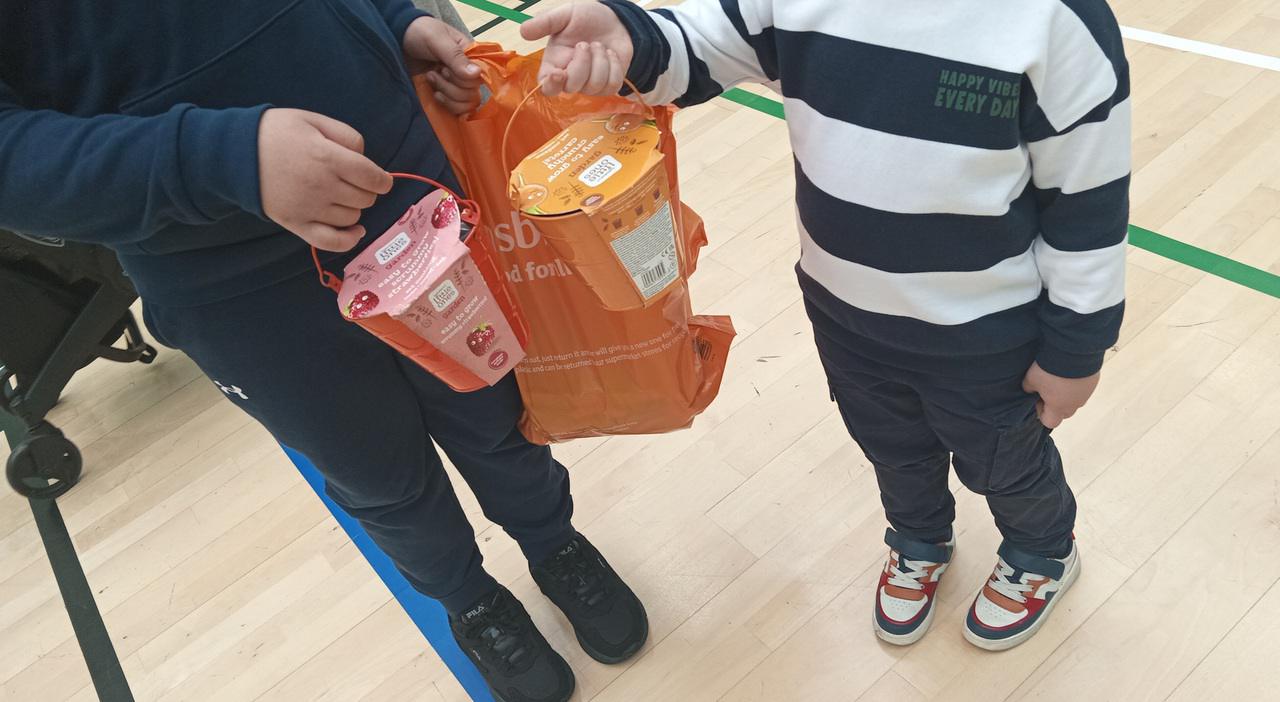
(62, 305)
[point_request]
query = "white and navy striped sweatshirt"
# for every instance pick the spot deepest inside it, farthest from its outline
(962, 167)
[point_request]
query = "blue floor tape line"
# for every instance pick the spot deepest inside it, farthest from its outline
(425, 612)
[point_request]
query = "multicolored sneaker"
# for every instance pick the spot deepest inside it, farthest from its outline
(1018, 598)
(904, 598)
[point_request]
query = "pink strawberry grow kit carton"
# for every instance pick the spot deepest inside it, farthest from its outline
(419, 288)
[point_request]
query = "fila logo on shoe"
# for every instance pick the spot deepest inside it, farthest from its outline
(231, 390)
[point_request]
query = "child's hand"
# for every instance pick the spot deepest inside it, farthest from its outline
(440, 50)
(589, 50)
(314, 177)
(1059, 397)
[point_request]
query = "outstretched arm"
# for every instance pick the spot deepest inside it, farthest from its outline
(686, 54)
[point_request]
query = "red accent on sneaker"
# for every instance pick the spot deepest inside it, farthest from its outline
(884, 586)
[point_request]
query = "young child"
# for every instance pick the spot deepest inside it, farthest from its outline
(962, 183)
(209, 144)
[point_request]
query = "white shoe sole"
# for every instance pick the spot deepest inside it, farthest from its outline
(903, 639)
(1021, 637)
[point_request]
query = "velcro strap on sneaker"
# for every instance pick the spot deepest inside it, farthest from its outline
(917, 550)
(1031, 563)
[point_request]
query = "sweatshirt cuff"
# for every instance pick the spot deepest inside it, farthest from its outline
(218, 149)
(1066, 364)
(650, 54)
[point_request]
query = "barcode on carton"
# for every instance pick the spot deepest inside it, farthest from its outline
(654, 275)
(649, 253)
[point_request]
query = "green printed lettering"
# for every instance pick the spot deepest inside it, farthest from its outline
(971, 93)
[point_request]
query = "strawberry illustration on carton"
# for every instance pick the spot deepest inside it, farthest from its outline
(362, 305)
(481, 340)
(420, 273)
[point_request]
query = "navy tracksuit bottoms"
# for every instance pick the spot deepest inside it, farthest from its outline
(367, 417)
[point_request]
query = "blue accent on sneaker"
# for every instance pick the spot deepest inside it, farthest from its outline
(903, 628)
(917, 550)
(996, 634)
(1031, 563)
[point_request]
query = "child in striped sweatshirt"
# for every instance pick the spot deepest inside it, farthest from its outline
(962, 173)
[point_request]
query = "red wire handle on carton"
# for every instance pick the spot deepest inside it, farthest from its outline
(469, 212)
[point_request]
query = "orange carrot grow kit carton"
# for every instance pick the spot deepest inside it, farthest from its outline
(600, 196)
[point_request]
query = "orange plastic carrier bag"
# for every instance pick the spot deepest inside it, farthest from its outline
(429, 287)
(589, 371)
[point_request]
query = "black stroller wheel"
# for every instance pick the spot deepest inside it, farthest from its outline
(44, 466)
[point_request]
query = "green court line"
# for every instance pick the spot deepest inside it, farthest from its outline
(1218, 265)
(494, 8)
(1201, 259)
(524, 5)
(759, 103)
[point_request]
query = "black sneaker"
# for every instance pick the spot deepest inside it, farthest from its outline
(606, 615)
(512, 655)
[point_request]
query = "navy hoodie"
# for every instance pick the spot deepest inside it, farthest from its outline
(134, 123)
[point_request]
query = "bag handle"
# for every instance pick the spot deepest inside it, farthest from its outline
(467, 211)
(506, 134)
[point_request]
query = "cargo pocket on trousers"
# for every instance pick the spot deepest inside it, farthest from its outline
(1019, 453)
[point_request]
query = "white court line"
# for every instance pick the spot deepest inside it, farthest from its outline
(1248, 58)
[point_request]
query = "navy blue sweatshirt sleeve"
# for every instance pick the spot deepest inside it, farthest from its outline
(113, 179)
(399, 14)
(694, 51)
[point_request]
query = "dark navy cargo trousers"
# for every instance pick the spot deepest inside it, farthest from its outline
(367, 416)
(916, 424)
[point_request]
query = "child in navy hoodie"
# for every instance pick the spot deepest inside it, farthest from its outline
(208, 144)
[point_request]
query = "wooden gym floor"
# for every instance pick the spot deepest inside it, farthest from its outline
(755, 537)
